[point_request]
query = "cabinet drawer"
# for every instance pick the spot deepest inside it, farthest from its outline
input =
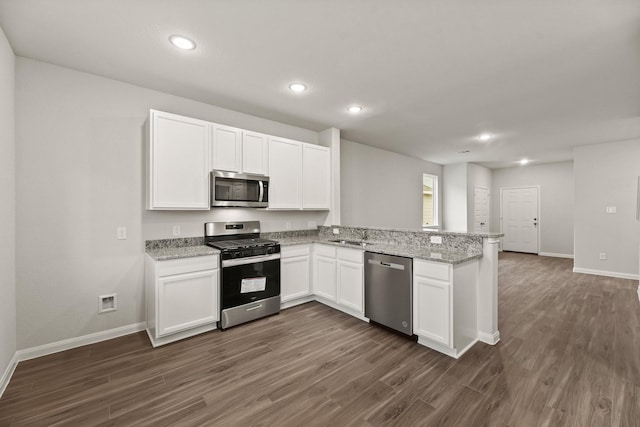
(435, 270)
(353, 255)
(187, 265)
(293, 251)
(324, 250)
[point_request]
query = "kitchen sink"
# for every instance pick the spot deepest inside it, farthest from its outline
(351, 242)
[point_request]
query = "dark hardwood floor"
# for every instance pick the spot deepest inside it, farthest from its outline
(569, 355)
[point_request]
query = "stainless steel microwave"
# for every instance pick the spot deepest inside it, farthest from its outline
(230, 189)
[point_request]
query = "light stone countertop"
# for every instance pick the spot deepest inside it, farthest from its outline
(409, 251)
(163, 254)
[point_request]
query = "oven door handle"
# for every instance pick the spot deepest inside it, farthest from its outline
(249, 260)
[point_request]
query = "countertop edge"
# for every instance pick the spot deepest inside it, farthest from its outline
(445, 257)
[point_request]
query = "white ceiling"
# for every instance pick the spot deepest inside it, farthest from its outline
(542, 75)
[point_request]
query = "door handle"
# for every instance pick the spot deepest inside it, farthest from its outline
(261, 188)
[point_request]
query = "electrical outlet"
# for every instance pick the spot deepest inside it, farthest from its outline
(336, 231)
(436, 239)
(121, 233)
(107, 303)
(175, 230)
(603, 256)
(287, 225)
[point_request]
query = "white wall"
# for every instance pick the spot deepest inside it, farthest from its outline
(556, 201)
(380, 188)
(7, 206)
(454, 197)
(477, 176)
(79, 145)
(607, 175)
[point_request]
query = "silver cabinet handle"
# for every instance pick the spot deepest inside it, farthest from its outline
(386, 264)
(249, 260)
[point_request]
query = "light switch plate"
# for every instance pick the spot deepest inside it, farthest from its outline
(121, 233)
(611, 209)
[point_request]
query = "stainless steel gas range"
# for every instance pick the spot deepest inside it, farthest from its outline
(250, 282)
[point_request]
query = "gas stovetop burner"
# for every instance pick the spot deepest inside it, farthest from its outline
(238, 239)
(242, 244)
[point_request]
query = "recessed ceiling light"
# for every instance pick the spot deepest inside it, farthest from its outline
(298, 87)
(484, 137)
(182, 42)
(355, 109)
(524, 161)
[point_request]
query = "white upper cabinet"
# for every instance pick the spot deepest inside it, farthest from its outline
(255, 153)
(316, 177)
(226, 152)
(285, 173)
(182, 151)
(177, 162)
(300, 175)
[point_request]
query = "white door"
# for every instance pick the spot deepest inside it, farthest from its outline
(226, 154)
(294, 278)
(520, 219)
(178, 153)
(316, 177)
(187, 300)
(480, 209)
(285, 174)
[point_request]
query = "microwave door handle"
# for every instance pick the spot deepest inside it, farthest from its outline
(261, 196)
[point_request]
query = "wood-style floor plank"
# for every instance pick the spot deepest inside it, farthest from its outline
(568, 356)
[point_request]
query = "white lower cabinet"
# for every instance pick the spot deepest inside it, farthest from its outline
(338, 278)
(294, 273)
(324, 272)
(350, 279)
(444, 305)
(181, 297)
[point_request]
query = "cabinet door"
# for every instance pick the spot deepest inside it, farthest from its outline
(324, 277)
(294, 278)
(226, 154)
(432, 309)
(285, 174)
(316, 177)
(255, 153)
(350, 285)
(178, 169)
(187, 300)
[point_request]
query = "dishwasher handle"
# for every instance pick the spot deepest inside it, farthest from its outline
(386, 264)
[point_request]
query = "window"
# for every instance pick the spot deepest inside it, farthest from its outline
(429, 200)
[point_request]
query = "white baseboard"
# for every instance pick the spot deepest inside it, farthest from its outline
(491, 339)
(551, 254)
(293, 303)
(156, 342)
(55, 347)
(606, 273)
(4, 381)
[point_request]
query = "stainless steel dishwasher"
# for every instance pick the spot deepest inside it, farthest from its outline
(388, 298)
